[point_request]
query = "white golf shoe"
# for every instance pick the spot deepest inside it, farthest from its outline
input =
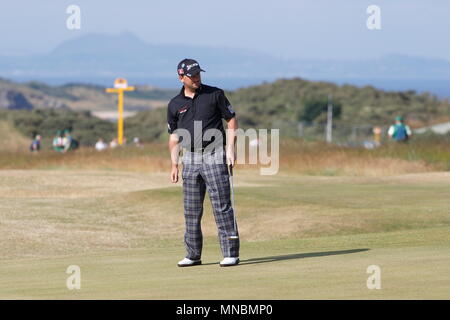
(188, 262)
(228, 262)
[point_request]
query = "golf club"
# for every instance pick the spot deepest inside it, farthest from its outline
(230, 171)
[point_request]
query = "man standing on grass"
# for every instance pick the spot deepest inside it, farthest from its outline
(194, 119)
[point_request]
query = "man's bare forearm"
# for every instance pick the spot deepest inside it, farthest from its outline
(232, 126)
(174, 149)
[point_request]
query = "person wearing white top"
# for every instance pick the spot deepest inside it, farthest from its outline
(100, 145)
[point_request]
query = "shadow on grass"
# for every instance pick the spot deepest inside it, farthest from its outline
(296, 256)
(299, 256)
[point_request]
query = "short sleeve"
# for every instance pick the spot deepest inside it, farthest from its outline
(408, 130)
(391, 130)
(172, 121)
(224, 106)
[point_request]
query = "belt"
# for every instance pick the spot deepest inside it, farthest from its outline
(202, 150)
(198, 150)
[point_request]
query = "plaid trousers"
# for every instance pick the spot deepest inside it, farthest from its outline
(201, 173)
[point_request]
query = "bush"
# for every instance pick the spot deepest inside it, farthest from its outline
(85, 128)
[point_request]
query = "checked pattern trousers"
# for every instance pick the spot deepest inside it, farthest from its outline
(201, 173)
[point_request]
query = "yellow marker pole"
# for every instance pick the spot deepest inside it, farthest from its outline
(119, 92)
(120, 119)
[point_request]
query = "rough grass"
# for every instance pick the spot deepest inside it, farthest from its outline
(318, 158)
(295, 157)
(11, 139)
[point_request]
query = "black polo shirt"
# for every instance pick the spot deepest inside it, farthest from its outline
(209, 106)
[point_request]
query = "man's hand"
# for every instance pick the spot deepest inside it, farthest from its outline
(231, 157)
(231, 141)
(174, 173)
(174, 150)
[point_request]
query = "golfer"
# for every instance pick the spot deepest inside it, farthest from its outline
(194, 119)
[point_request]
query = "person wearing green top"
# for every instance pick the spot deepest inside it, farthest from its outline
(399, 131)
(58, 142)
(69, 143)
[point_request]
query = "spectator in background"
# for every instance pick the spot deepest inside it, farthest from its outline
(67, 140)
(69, 143)
(36, 144)
(58, 145)
(399, 132)
(100, 145)
(377, 136)
(113, 143)
(137, 142)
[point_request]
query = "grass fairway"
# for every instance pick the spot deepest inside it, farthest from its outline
(302, 237)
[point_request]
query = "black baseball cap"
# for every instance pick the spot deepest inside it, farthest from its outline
(188, 67)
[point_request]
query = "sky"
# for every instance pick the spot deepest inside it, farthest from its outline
(284, 28)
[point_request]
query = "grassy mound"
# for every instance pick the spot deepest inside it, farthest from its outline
(11, 138)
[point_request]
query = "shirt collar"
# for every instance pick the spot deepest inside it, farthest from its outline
(197, 92)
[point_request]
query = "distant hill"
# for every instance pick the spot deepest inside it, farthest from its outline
(14, 100)
(280, 104)
(77, 96)
(99, 58)
(284, 103)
